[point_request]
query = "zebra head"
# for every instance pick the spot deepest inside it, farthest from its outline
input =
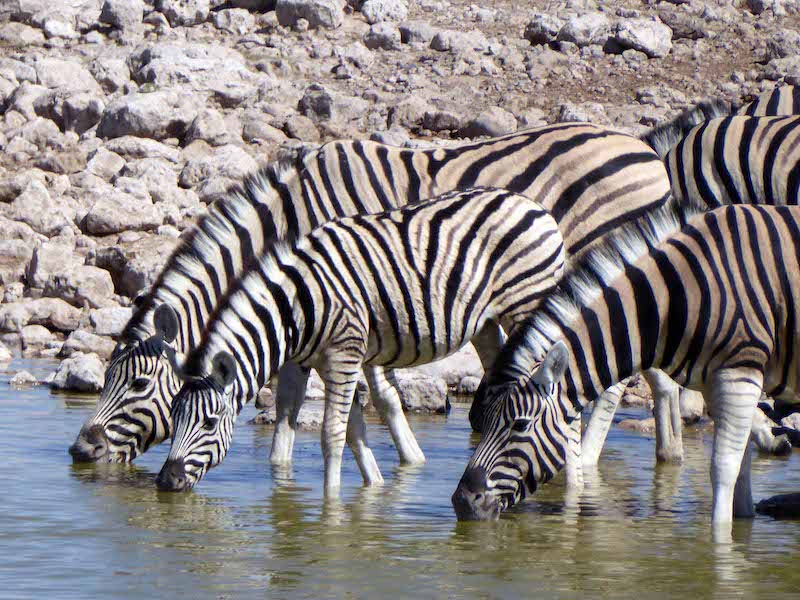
(203, 416)
(133, 412)
(524, 441)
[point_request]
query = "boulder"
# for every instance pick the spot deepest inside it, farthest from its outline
(308, 419)
(49, 260)
(421, 392)
(123, 14)
(83, 284)
(23, 379)
(35, 207)
(542, 28)
(84, 342)
(114, 211)
(53, 313)
(328, 14)
(237, 21)
(134, 266)
(105, 164)
(416, 32)
(131, 147)
(383, 36)
(158, 115)
(212, 175)
(80, 373)
(109, 321)
(492, 122)
(184, 13)
(375, 11)
(34, 338)
(654, 38)
(586, 29)
(209, 125)
(454, 368)
(65, 74)
(14, 258)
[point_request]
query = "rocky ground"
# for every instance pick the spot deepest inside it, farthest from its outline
(122, 119)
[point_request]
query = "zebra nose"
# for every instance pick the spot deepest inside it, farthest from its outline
(471, 502)
(172, 477)
(91, 444)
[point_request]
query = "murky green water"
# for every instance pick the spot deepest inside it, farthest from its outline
(248, 531)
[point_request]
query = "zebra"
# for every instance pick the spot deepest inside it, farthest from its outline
(711, 298)
(590, 178)
(393, 289)
(731, 160)
(782, 100)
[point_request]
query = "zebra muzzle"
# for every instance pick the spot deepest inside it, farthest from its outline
(173, 477)
(91, 445)
(472, 500)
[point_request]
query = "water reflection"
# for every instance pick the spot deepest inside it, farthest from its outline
(254, 531)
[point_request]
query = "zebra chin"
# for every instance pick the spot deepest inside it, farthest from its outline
(91, 445)
(472, 500)
(174, 477)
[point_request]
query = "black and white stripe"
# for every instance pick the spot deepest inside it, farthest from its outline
(715, 303)
(395, 289)
(590, 178)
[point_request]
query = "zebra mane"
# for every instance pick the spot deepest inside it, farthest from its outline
(201, 242)
(663, 138)
(583, 282)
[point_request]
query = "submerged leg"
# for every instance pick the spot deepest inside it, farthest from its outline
(292, 381)
(386, 397)
(574, 466)
(734, 395)
(666, 404)
(594, 437)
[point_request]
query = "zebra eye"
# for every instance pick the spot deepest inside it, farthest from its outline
(210, 423)
(521, 425)
(139, 384)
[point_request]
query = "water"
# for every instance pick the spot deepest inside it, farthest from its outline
(249, 531)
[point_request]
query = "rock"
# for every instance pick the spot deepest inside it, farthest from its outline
(422, 393)
(693, 406)
(114, 211)
(110, 72)
(80, 373)
(23, 379)
(328, 14)
(684, 26)
(542, 28)
(637, 393)
(49, 260)
(212, 175)
(587, 112)
(441, 120)
(123, 14)
(50, 312)
(454, 368)
(65, 74)
(493, 122)
(586, 29)
(184, 13)
(237, 21)
(190, 66)
(256, 129)
(34, 338)
(416, 32)
(468, 385)
(384, 36)
(82, 285)
(639, 425)
(783, 68)
(14, 258)
(160, 179)
(375, 11)
(131, 147)
(784, 43)
(134, 266)
(109, 321)
(158, 115)
(20, 36)
(410, 113)
(35, 207)
(394, 136)
(56, 28)
(23, 98)
(105, 164)
(459, 41)
(651, 37)
(308, 419)
(209, 125)
(80, 341)
(5, 353)
(302, 128)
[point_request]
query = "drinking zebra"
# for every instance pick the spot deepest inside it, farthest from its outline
(714, 303)
(590, 178)
(394, 289)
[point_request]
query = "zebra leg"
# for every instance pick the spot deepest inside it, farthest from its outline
(386, 397)
(357, 442)
(666, 402)
(742, 494)
(594, 437)
(734, 395)
(292, 381)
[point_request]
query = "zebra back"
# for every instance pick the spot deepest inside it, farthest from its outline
(782, 100)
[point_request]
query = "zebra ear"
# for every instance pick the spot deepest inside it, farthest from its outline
(553, 366)
(223, 368)
(166, 323)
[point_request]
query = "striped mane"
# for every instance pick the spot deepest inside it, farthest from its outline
(265, 191)
(664, 137)
(583, 283)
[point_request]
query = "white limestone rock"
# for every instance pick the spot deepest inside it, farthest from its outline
(80, 373)
(84, 342)
(375, 11)
(237, 21)
(53, 313)
(114, 211)
(654, 38)
(123, 14)
(109, 321)
(492, 122)
(184, 13)
(327, 14)
(384, 36)
(586, 29)
(157, 115)
(542, 28)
